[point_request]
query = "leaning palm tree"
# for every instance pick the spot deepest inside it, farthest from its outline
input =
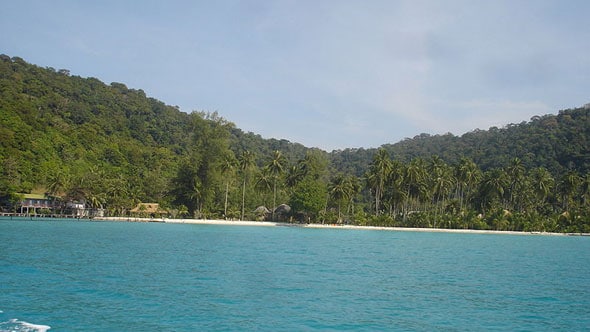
(57, 183)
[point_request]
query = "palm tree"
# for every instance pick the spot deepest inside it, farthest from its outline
(117, 194)
(57, 185)
(377, 176)
(227, 167)
(182, 210)
(394, 193)
(294, 175)
(246, 162)
(341, 188)
(542, 182)
(467, 175)
(440, 181)
(264, 183)
(494, 185)
(567, 187)
(195, 194)
(58, 182)
(515, 173)
(275, 167)
(414, 181)
(585, 189)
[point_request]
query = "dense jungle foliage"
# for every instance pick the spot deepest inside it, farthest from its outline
(111, 146)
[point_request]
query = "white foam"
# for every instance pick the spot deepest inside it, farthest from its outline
(36, 327)
(15, 325)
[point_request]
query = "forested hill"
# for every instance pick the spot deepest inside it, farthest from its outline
(557, 142)
(53, 124)
(111, 147)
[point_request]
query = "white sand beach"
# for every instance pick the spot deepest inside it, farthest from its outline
(327, 226)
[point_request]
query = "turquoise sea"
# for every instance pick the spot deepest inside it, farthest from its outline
(66, 275)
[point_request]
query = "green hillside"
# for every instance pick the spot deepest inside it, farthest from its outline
(557, 142)
(112, 146)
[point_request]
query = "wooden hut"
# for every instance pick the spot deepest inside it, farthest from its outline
(151, 210)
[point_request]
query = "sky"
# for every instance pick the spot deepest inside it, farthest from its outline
(331, 74)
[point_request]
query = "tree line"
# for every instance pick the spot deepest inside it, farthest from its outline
(431, 193)
(112, 147)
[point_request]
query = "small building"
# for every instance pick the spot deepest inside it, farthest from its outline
(33, 203)
(76, 209)
(151, 210)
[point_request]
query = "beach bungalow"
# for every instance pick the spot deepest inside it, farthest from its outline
(35, 203)
(151, 210)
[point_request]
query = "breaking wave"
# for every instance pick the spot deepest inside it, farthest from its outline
(15, 325)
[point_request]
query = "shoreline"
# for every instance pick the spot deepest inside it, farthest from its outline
(330, 226)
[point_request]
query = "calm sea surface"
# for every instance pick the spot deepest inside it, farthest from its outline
(108, 276)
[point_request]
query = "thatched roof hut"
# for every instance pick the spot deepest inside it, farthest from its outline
(148, 209)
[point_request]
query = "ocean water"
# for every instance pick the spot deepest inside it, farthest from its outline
(63, 275)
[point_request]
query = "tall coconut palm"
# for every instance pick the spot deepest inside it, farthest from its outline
(515, 173)
(246, 162)
(377, 176)
(341, 188)
(394, 193)
(275, 167)
(264, 183)
(227, 167)
(415, 181)
(440, 181)
(467, 175)
(195, 195)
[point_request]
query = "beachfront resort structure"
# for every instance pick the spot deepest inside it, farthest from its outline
(45, 204)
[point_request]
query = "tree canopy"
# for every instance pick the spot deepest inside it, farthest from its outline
(113, 146)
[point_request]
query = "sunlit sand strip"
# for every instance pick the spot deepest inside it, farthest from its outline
(223, 222)
(329, 226)
(433, 230)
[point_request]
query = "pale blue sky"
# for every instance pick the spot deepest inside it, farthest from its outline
(328, 74)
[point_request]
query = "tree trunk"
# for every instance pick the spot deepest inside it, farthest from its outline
(243, 198)
(225, 206)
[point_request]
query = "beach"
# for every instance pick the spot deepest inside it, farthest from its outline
(327, 226)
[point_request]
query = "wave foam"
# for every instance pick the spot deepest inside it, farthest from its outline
(15, 325)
